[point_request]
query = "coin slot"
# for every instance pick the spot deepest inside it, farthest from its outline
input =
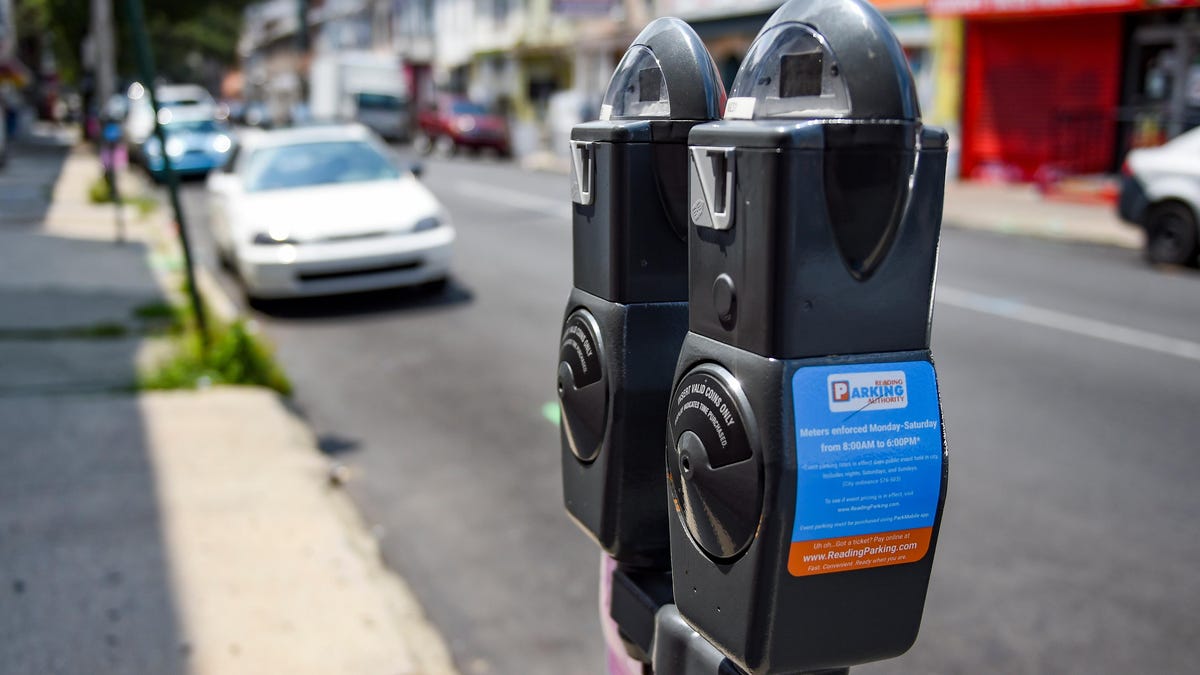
(715, 169)
(582, 160)
(719, 180)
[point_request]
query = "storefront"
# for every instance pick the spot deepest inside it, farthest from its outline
(1161, 93)
(1054, 88)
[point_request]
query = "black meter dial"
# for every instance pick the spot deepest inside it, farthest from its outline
(582, 385)
(713, 462)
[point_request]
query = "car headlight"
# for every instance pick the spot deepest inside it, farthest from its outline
(222, 143)
(465, 124)
(175, 147)
(430, 223)
(273, 238)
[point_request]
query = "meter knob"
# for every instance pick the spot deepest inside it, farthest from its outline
(582, 385)
(714, 463)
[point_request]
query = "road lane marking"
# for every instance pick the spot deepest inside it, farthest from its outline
(558, 208)
(1068, 323)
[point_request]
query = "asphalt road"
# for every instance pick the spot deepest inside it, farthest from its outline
(1070, 377)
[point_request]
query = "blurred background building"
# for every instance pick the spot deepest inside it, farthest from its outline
(1030, 90)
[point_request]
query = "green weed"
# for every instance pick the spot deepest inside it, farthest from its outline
(98, 192)
(234, 356)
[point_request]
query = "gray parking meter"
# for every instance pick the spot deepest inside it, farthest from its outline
(806, 453)
(627, 313)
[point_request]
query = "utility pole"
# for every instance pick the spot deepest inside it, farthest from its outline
(302, 47)
(104, 68)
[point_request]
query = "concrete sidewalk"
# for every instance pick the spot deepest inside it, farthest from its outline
(1022, 210)
(170, 532)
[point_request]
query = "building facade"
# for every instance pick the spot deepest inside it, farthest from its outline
(515, 56)
(279, 38)
(729, 26)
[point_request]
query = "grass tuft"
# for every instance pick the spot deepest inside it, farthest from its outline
(99, 193)
(160, 317)
(235, 356)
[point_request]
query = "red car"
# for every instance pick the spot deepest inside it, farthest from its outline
(451, 123)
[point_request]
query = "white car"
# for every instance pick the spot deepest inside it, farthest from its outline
(325, 210)
(1160, 192)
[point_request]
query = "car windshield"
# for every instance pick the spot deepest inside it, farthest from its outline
(192, 127)
(467, 108)
(379, 102)
(323, 163)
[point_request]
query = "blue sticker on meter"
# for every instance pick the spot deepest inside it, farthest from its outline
(869, 465)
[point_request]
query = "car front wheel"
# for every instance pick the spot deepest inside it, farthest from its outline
(1171, 235)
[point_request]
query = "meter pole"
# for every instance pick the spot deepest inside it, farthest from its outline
(145, 59)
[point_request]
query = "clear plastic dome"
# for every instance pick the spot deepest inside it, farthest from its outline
(789, 72)
(637, 89)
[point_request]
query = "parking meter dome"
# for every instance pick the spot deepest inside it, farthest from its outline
(666, 74)
(825, 59)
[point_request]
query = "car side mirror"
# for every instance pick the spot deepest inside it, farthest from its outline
(417, 169)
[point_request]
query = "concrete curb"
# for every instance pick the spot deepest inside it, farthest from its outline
(426, 645)
(1016, 209)
(1017, 229)
(214, 296)
(165, 238)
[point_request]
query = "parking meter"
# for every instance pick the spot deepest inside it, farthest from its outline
(627, 313)
(112, 159)
(806, 454)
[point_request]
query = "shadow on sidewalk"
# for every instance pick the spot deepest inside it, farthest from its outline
(27, 181)
(70, 313)
(85, 570)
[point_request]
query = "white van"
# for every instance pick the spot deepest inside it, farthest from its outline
(362, 87)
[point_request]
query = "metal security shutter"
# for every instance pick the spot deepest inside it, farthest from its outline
(1041, 95)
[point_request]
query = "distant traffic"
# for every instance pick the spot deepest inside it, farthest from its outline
(310, 200)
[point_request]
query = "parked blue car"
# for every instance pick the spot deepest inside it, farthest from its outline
(194, 147)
